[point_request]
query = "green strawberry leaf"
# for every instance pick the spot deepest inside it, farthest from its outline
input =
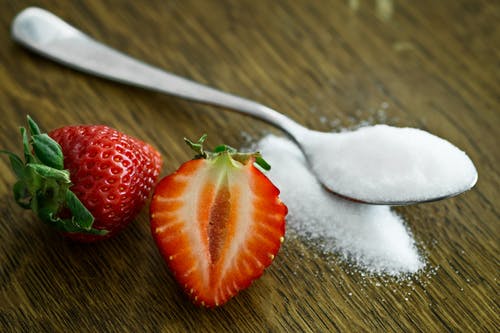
(28, 155)
(43, 184)
(34, 129)
(16, 164)
(48, 172)
(262, 163)
(48, 151)
(198, 146)
(220, 149)
(224, 148)
(66, 225)
(81, 215)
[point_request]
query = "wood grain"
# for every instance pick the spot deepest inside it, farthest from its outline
(328, 64)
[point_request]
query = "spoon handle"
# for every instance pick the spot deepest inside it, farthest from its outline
(50, 36)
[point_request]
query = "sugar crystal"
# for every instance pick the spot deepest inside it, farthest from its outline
(389, 164)
(373, 237)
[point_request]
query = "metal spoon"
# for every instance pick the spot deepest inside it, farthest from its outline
(48, 35)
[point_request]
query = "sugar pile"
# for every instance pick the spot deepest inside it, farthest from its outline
(400, 164)
(373, 237)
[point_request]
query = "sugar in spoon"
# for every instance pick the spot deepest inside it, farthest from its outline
(375, 165)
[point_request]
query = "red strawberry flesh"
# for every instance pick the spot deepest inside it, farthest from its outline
(218, 223)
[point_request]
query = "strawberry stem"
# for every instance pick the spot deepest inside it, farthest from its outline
(43, 184)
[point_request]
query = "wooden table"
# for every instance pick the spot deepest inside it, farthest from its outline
(328, 64)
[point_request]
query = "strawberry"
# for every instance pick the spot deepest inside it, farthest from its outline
(88, 182)
(218, 222)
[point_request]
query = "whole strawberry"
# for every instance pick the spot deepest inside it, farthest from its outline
(88, 182)
(218, 222)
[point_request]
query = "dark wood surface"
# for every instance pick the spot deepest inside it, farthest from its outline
(328, 64)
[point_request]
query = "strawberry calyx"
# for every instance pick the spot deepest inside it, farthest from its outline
(225, 150)
(43, 185)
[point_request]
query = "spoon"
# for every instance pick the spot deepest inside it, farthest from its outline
(48, 35)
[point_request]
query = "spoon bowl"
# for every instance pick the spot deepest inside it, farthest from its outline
(344, 163)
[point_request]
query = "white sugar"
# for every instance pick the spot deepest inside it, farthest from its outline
(396, 164)
(373, 237)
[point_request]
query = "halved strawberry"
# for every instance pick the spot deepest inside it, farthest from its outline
(218, 222)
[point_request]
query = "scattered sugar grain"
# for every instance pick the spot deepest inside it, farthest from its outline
(373, 237)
